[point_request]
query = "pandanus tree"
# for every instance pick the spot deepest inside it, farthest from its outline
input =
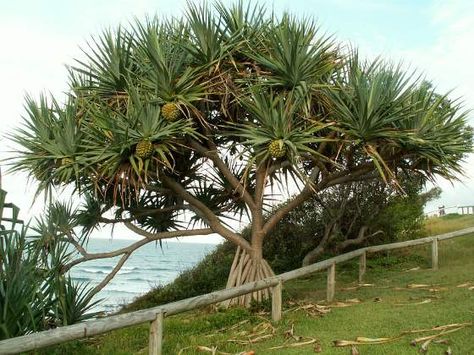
(174, 127)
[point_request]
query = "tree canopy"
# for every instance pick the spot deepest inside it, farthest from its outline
(178, 125)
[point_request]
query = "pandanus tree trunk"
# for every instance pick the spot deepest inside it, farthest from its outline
(248, 267)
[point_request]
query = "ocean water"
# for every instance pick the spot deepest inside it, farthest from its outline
(149, 266)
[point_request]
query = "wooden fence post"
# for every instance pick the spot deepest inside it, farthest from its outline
(276, 302)
(156, 335)
(331, 287)
(362, 265)
(434, 254)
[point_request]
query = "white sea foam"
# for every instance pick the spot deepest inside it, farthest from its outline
(142, 271)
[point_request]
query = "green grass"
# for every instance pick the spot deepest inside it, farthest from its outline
(389, 276)
(448, 223)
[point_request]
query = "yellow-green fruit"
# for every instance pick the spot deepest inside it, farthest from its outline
(170, 111)
(66, 161)
(277, 149)
(144, 149)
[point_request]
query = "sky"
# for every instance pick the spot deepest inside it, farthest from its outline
(39, 38)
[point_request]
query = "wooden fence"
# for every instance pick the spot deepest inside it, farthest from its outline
(156, 315)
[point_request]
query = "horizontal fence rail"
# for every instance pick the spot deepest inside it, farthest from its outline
(155, 315)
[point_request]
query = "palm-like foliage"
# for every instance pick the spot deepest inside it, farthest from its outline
(34, 292)
(24, 302)
(251, 99)
(73, 301)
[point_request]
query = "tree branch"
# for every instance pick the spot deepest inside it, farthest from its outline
(132, 247)
(312, 256)
(110, 276)
(257, 214)
(224, 169)
(292, 204)
(359, 240)
(206, 214)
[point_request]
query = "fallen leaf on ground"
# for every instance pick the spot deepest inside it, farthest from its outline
(448, 351)
(347, 303)
(431, 337)
(313, 309)
(290, 332)
(318, 348)
(294, 345)
(444, 329)
(212, 350)
(438, 328)
(424, 346)
(414, 303)
(418, 286)
(438, 289)
(354, 300)
(363, 341)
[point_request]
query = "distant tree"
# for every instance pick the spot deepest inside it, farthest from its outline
(174, 127)
(346, 217)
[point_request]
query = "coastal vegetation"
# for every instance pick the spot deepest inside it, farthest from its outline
(400, 294)
(35, 294)
(374, 208)
(178, 127)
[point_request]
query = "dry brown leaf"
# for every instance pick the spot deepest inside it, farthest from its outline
(290, 332)
(372, 340)
(314, 309)
(294, 345)
(438, 289)
(424, 346)
(354, 300)
(418, 286)
(444, 329)
(354, 350)
(438, 328)
(341, 343)
(318, 348)
(343, 304)
(226, 329)
(364, 341)
(414, 303)
(431, 337)
(212, 350)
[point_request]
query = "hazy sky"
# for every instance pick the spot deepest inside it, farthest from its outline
(39, 38)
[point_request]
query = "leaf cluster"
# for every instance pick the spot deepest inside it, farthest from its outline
(237, 79)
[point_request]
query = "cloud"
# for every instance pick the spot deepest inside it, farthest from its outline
(450, 63)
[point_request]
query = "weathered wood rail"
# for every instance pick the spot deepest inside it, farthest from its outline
(156, 315)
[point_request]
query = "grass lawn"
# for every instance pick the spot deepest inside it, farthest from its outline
(385, 307)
